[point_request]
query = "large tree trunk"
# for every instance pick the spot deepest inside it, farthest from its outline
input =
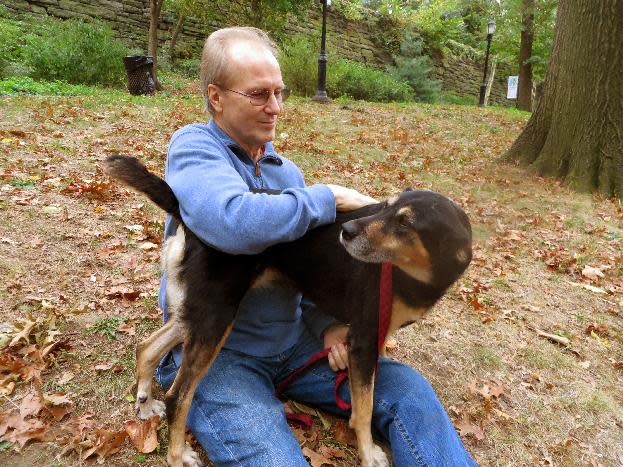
(576, 132)
(176, 33)
(155, 7)
(524, 93)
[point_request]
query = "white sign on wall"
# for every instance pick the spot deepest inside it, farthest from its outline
(511, 93)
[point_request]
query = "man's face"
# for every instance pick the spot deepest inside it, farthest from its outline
(252, 69)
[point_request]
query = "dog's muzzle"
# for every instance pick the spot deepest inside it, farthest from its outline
(350, 231)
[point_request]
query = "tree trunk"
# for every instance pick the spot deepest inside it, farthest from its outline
(524, 92)
(256, 13)
(155, 6)
(490, 79)
(576, 132)
(176, 32)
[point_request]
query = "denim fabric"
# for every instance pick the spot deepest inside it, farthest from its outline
(239, 421)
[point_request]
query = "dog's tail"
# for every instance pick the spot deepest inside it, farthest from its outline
(134, 174)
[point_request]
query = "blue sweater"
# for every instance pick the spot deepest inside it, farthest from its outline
(211, 176)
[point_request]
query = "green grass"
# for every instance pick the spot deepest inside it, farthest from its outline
(106, 327)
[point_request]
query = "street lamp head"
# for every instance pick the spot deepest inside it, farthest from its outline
(491, 27)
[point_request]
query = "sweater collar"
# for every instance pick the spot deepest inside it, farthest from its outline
(269, 150)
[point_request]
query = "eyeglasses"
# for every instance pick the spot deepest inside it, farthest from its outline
(261, 97)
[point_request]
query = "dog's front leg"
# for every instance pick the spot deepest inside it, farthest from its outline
(361, 369)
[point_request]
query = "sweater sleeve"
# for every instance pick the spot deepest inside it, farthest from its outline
(216, 204)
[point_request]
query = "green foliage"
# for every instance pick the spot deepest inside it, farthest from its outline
(299, 65)
(358, 81)
(107, 327)
(11, 43)
(450, 97)
(188, 67)
(414, 67)
(438, 22)
(75, 51)
(26, 85)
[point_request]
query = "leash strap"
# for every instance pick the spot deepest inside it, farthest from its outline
(385, 314)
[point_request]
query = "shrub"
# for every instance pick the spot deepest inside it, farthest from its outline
(11, 43)
(26, 85)
(299, 65)
(188, 67)
(414, 67)
(76, 52)
(356, 80)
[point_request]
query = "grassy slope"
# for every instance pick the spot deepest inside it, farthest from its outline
(560, 405)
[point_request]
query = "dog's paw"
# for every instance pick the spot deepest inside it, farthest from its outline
(149, 408)
(374, 457)
(189, 458)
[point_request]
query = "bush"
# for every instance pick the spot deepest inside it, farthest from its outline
(188, 67)
(414, 67)
(299, 65)
(11, 43)
(358, 81)
(25, 85)
(76, 52)
(451, 97)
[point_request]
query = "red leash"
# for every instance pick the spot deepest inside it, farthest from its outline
(385, 314)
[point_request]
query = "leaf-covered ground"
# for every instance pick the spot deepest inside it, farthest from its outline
(525, 351)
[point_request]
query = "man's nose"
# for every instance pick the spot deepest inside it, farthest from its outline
(272, 105)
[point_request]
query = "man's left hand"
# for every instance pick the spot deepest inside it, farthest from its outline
(335, 339)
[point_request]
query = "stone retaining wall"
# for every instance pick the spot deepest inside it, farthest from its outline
(353, 40)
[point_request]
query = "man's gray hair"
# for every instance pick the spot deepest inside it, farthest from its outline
(214, 60)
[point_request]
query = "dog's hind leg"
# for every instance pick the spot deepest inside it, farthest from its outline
(361, 381)
(199, 353)
(148, 354)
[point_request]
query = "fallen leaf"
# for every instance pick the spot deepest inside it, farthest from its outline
(106, 443)
(143, 435)
(592, 273)
(316, 459)
(467, 428)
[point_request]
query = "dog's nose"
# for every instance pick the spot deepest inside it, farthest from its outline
(349, 230)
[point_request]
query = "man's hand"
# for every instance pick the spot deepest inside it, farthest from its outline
(335, 339)
(347, 199)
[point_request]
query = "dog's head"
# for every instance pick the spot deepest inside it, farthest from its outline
(423, 233)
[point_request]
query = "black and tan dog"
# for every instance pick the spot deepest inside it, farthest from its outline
(424, 235)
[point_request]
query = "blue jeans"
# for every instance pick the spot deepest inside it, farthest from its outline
(239, 421)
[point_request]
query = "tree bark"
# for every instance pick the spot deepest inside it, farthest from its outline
(176, 32)
(490, 79)
(524, 92)
(155, 7)
(576, 132)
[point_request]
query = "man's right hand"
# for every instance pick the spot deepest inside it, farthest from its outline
(347, 199)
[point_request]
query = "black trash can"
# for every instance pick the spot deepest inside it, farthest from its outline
(140, 70)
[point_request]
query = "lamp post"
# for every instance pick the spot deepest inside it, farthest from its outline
(483, 86)
(321, 93)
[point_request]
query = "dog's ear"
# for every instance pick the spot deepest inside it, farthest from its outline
(408, 189)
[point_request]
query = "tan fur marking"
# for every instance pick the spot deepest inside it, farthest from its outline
(267, 277)
(402, 314)
(406, 211)
(148, 354)
(414, 260)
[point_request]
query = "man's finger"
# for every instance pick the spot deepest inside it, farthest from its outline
(332, 364)
(338, 355)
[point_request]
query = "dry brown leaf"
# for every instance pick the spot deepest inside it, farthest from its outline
(143, 435)
(330, 452)
(592, 273)
(106, 443)
(467, 428)
(344, 434)
(316, 459)
(58, 405)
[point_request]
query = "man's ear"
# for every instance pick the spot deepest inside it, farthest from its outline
(214, 96)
